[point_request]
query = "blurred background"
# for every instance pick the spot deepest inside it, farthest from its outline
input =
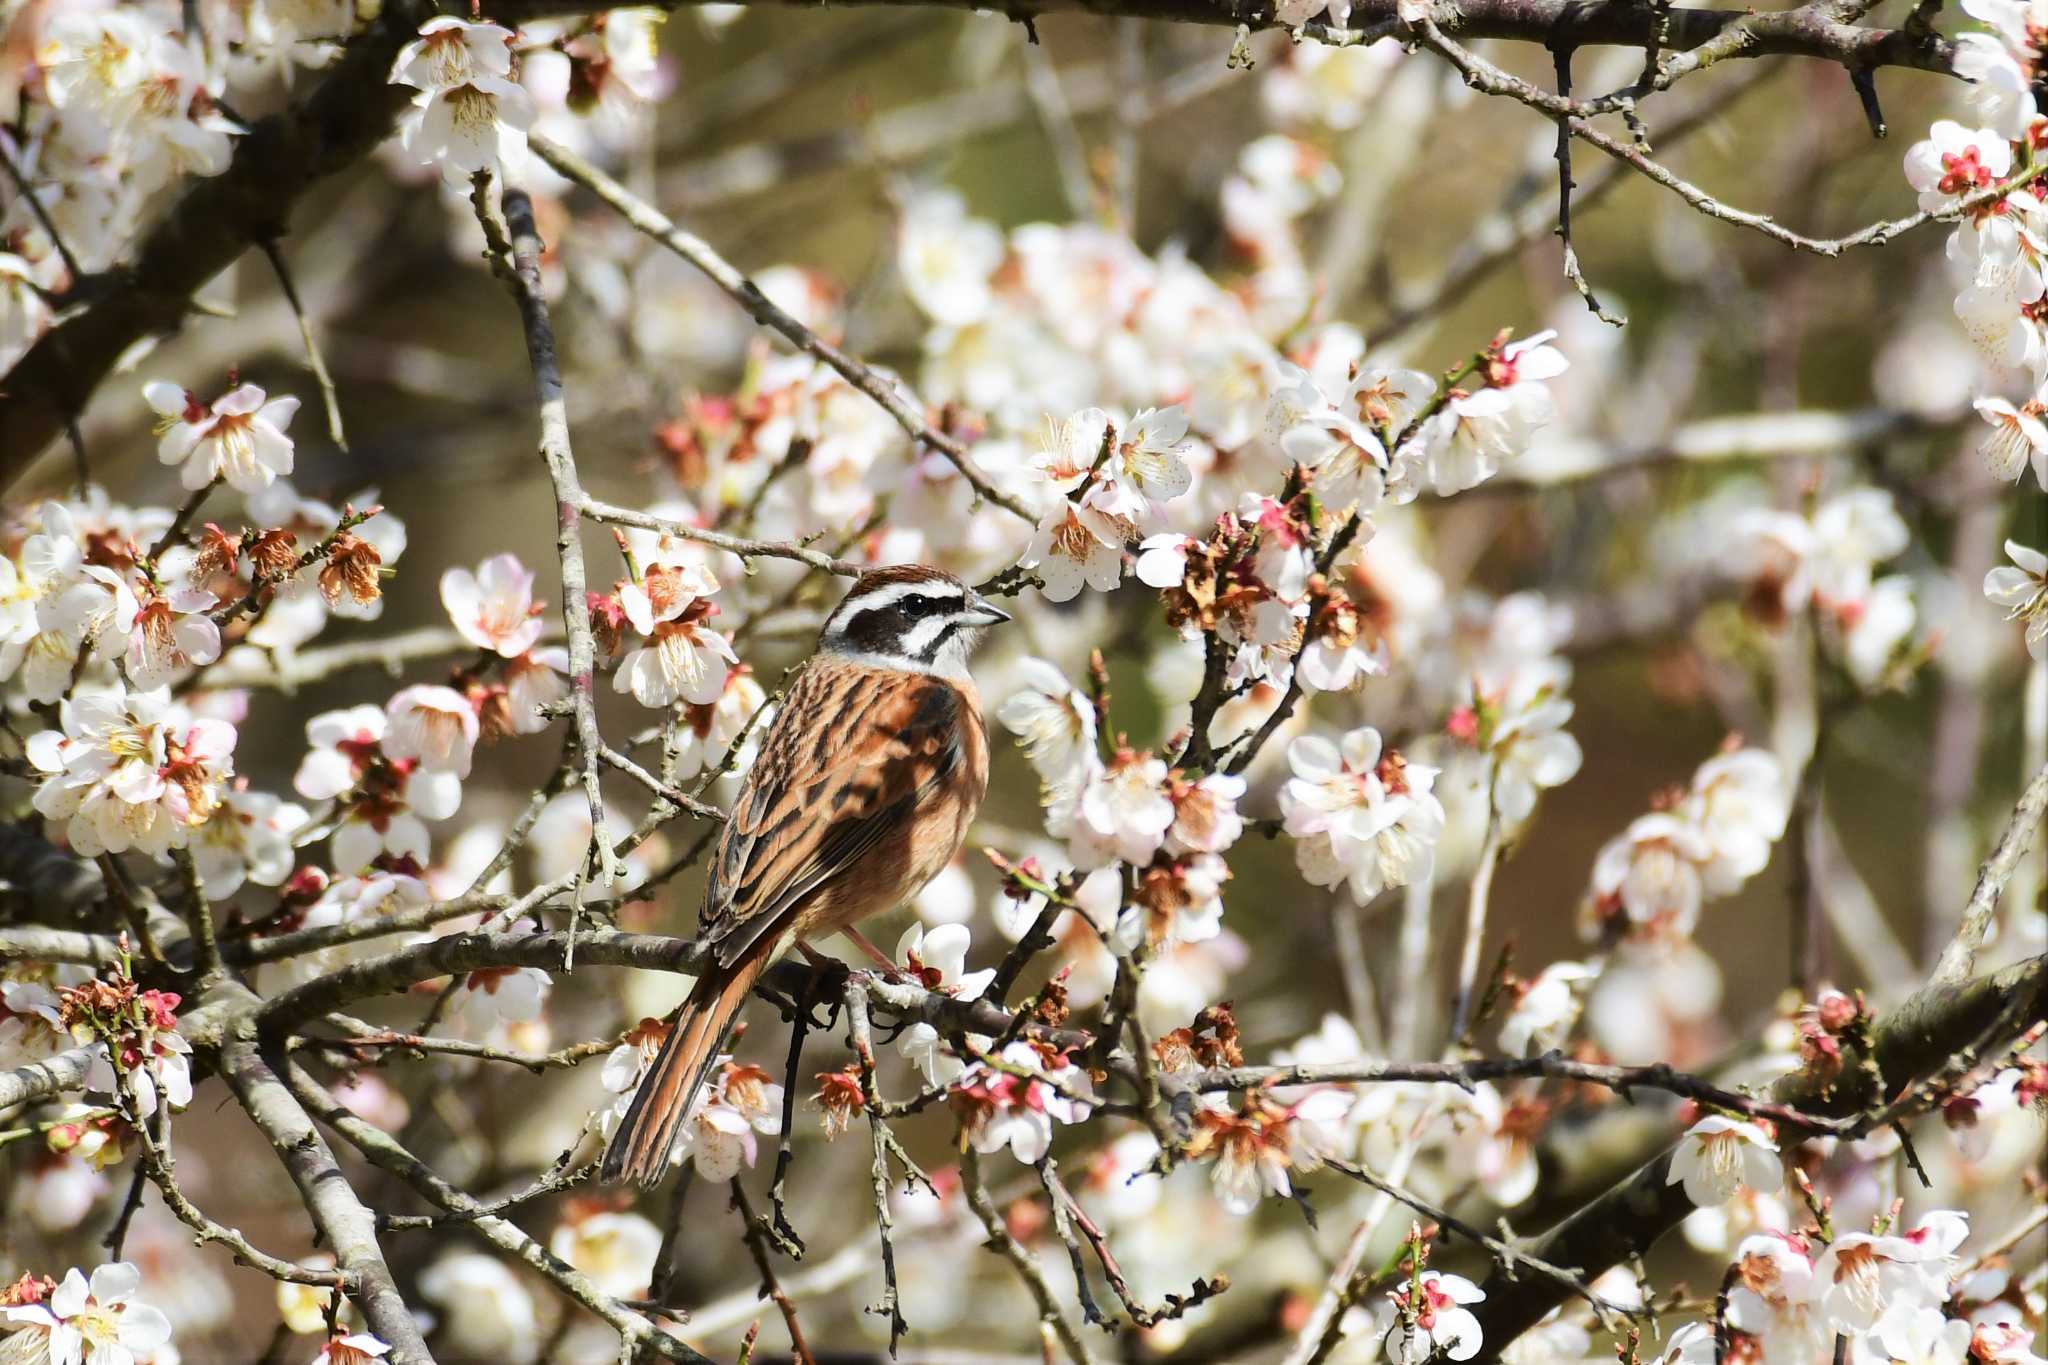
(790, 139)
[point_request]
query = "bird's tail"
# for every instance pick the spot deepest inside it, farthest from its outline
(639, 1150)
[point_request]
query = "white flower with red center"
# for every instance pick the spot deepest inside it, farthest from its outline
(432, 724)
(477, 126)
(469, 116)
(150, 1054)
(1017, 1107)
(1205, 816)
(1501, 1142)
(169, 632)
(1470, 438)
(946, 258)
(2009, 336)
(1429, 1315)
(247, 839)
(1388, 398)
(534, 682)
(1285, 557)
(1739, 801)
(1055, 722)
(493, 608)
(1531, 751)
(706, 733)
(937, 960)
(719, 1137)
(1654, 873)
(1164, 559)
(682, 658)
(1123, 811)
(2022, 589)
(353, 1348)
(387, 797)
(1546, 1010)
(1954, 162)
(1772, 1295)
(1341, 649)
(239, 437)
(1719, 1155)
(450, 52)
(1252, 1149)
(1860, 1276)
(508, 995)
(1360, 814)
(2018, 438)
(96, 1321)
(616, 1250)
(1080, 543)
(128, 770)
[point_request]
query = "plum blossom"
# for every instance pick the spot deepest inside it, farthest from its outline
(128, 770)
(469, 116)
(97, 1321)
(493, 608)
(1075, 547)
(2022, 589)
(1441, 1321)
(681, 657)
(1145, 468)
(707, 732)
(1121, 812)
(239, 437)
(1055, 722)
(436, 726)
(1920, 1335)
(248, 839)
(1002, 1108)
(511, 995)
(1719, 1155)
(616, 1250)
(1531, 751)
(388, 798)
(1860, 1276)
(1546, 1011)
(1954, 162)
(353, 1348)
(1360, 815)
(485, 1311)
(937, 959)
(1654, 871)
(946, 258)
(2018, 439)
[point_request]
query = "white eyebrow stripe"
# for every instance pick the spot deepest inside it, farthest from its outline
(924, 633)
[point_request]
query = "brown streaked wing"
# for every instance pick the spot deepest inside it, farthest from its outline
(851, 753)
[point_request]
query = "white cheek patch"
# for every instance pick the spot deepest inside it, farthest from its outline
(923, 634)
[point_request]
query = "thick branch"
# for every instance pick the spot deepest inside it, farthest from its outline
(1914, 1041)
(346, 1226)
(1810, 30)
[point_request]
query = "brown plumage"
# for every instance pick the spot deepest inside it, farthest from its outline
(863, 790)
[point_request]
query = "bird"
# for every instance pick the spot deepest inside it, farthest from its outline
(862, 792)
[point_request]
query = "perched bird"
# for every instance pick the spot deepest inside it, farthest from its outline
(863, 791)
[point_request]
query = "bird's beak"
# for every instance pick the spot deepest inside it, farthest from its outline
(982, 612)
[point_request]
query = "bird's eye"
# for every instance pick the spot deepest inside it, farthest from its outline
(917, 607)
